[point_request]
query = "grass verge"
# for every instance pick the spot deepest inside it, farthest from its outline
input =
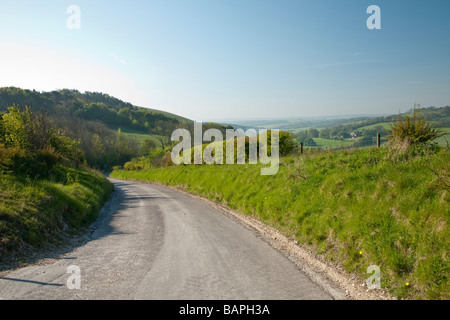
(34, 212)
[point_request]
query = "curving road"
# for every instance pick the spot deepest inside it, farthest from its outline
(152, 242)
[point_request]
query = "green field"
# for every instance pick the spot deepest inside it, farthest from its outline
(444, 140)
(138, 135)
(354, 207)
(141, 137)
(330, 143)
(384, 125)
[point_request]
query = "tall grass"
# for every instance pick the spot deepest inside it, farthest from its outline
(35, 211)
(355, 207)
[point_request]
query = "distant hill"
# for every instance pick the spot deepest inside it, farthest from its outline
(439, 115)
(297, 124)
(363, 132)
(89, 106)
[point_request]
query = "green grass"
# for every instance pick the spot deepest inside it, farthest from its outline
(139, 136)
(384, 125)
(390, 207)
(33, 212)
(330, 143)
(445, 138)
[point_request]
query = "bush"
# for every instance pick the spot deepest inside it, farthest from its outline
(8, 156)
(309, 142)
(37, 164)
(412, 131)
(31, 146)
(286, 143)
(363, 141)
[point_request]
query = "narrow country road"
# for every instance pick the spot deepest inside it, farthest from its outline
(153, 242)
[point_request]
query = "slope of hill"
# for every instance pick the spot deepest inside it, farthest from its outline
(94, 119)
(92, 106)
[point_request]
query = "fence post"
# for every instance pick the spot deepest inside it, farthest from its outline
(378, 140)
(301, 148)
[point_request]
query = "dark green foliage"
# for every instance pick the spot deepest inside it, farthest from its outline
(309, 142)
(287, 144)
(90, 106)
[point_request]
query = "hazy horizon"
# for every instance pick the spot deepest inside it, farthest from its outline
(207, 60)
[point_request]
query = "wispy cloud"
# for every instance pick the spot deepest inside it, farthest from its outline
(118, 59)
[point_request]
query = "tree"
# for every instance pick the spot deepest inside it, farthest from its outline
(313, 133)
(163, 131)
(324, 133)
(15, 127)
(286, 143)
(98, 145)
(24, 130)
(31, 145)
(309, 142)
(147, 146)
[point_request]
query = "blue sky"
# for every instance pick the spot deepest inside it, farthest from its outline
(221, 59)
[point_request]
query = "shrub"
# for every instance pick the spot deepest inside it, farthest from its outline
(36, 165)
(412, 130)
(31, 146)
(7, 156)
(309, 142)
(287, 143)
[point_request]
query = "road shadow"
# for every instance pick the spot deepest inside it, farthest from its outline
(68, 240)
(33, 282)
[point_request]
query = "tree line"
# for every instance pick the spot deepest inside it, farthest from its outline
(91, 106)
(94, 121)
